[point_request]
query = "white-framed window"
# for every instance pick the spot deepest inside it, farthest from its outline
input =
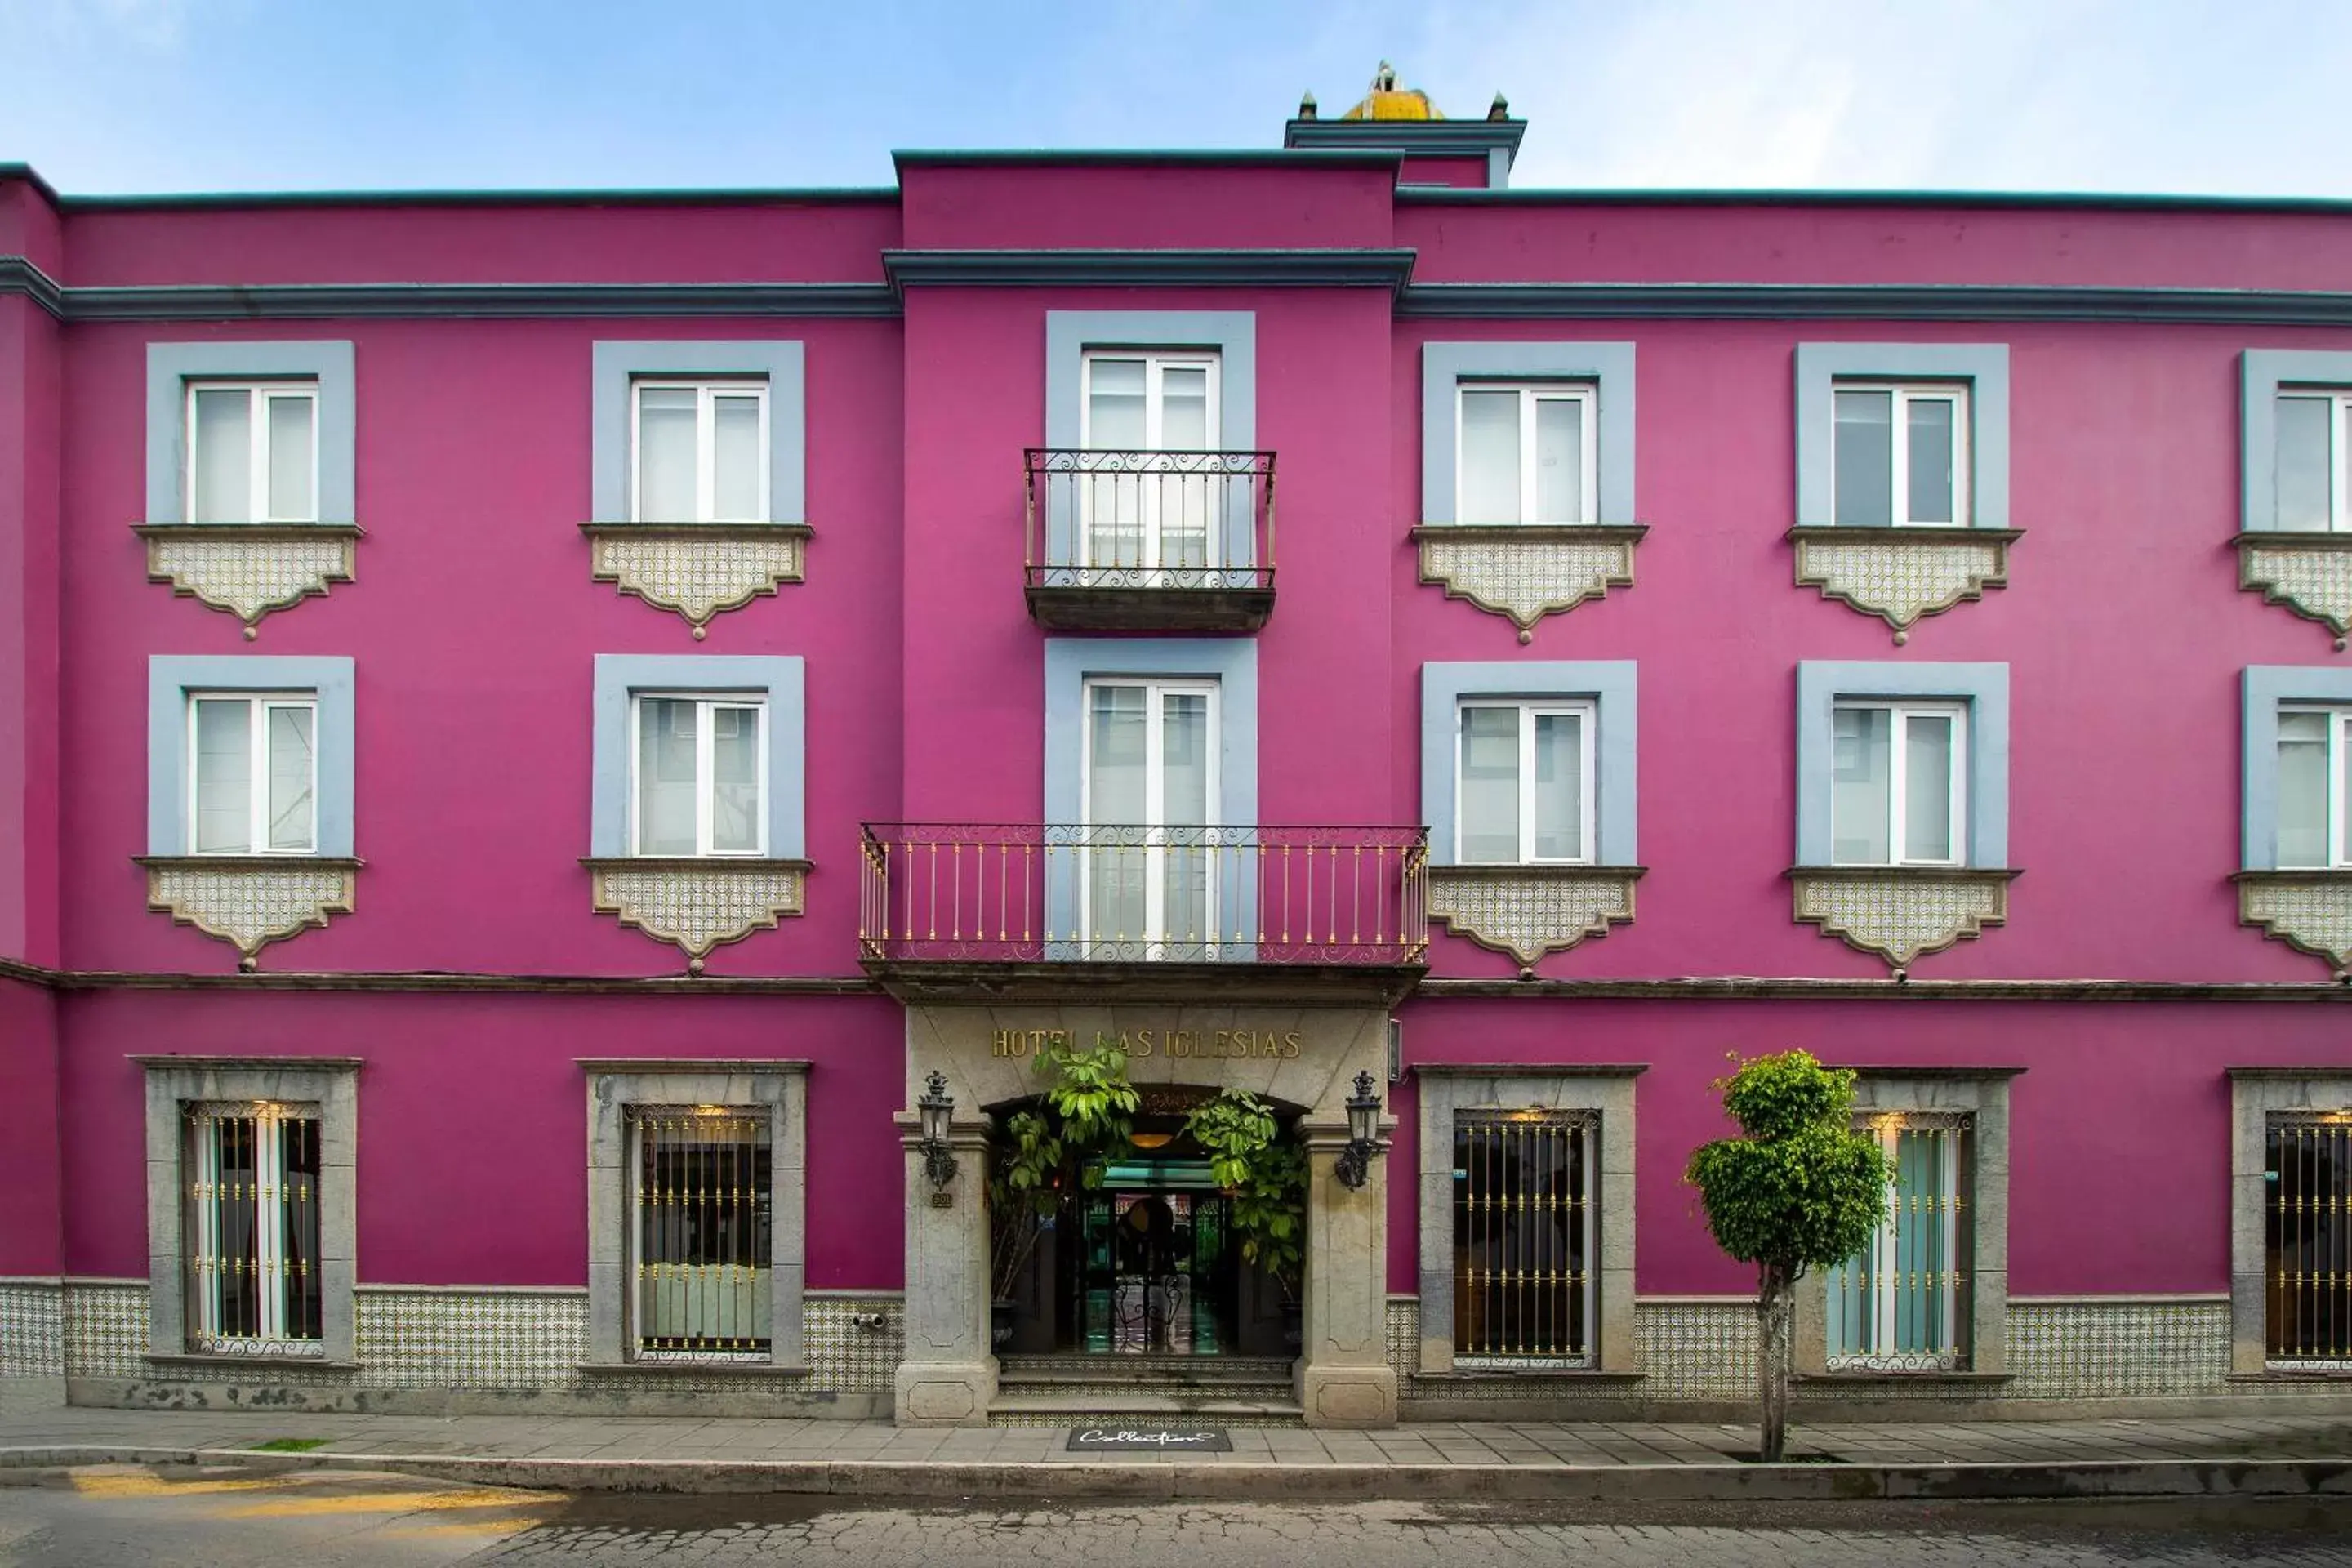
(1523, 789)
(698, 450)
(1527, 453)
(253, 773)
(1162, 518)
(250, 1184)
(2314, 460)
(700, 1238)
(699, 768)
(1150, 797)
(1902, 1304)
(252, 451)
(1900, 455)
(2314, 788)
(1899, 784)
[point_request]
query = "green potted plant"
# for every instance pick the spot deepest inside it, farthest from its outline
(1086, 1108)
(1264, 1174)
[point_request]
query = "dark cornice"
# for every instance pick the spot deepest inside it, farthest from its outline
(19, 275)
(721, 197)
(1145, 158)
(1953, 200)
(1410, 138)
(1319, 269)
(1876, 302)
(314, 301)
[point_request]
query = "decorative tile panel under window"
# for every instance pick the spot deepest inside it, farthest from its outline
(2307, 1242)
(1527, 454)
(250, 1177)
(253, 452)
(1901, 455)
(1900, 785)
(253, 784)
(1902, 1304)
(701, 766)
(1524, 1249)
(699, 452)
(1524, 796)
(700, 1238)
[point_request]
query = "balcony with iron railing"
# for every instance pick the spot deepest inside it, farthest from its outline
(993, 909)
(1144, 540)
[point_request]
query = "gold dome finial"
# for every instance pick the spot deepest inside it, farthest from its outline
(1389, 101)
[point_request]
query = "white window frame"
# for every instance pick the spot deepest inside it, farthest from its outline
(707, 392)
(2340, 450)
(706, 740)
(1906, 393)
(1899, 766)
(1156, 362)
(1532, 393)
(269, 1238)
(1588, 720)
(262, 704)
(2339, 790)
(1886, 1128)
(1155, 798)
(259, 396)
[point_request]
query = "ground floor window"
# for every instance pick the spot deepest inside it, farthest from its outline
(1523, 1239)
(2308, 1241)
(701, 1237)
(1902, 1304)
(250, 1177)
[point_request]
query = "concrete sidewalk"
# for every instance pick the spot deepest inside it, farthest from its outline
(2266, 1455)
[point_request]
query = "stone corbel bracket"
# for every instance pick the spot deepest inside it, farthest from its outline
(1900, 913)
(1525, 572)
(2310, 573)
(250, 901)
(1528, 911)
(698, 569)
(698, 904)
(250, 569)
(2311, 911)
(1901, 575)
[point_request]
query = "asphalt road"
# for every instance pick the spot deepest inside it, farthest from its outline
(116, 1516)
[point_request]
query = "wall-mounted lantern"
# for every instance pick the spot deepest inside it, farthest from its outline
(1354, 1166)
(937, 1108)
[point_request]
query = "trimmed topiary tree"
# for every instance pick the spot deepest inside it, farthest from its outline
(1799, 1189)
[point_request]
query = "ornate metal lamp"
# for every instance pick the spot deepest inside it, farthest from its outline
(937, 1108)
(1354, 1166)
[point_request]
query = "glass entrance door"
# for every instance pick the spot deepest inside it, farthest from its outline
(1149, 780)
(1155, 1272)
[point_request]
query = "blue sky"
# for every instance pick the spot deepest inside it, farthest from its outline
(2158, 95)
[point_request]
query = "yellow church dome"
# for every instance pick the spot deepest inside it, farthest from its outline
(1389, 101)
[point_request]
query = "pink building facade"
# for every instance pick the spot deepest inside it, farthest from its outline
(536, 731)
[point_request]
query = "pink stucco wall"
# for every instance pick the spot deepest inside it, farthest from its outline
(30, 360)
(32, 1233)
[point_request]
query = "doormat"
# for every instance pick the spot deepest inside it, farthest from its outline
(1148, 1440)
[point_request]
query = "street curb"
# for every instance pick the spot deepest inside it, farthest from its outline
(1158, 1480)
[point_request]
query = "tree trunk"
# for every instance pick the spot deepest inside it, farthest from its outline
(1773, 1299)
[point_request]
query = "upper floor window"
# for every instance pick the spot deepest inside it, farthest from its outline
(1527, 454)
(252, 451)
(2315, 787)
(1150, 402)
(1898, 789)
(1524, 793)
(699, 452)
(253, 788)
(2315, 461)
(700, 775)
(1901, 455)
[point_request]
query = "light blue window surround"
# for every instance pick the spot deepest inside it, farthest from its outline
(2268, 372)
(1820, 685)
(2266, 687)
(170, 368)
(1606, 367)
(1608, 684)
(171, 679)
(1231, 334)
(780, 680)
(1070, 663)
(1983, 367)
(619, 362)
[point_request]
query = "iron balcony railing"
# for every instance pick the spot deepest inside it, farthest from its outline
(1066, 892)
(1149, 519)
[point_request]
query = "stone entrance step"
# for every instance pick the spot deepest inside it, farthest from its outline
(1087, 1390)
(1154, 1370)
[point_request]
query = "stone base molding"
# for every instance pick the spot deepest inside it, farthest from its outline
(2311, 911)
(1900, 912)
(697, 569)
(2310, 573)
(1901, 575)
(32, 1344)
(1525, 572)
(1530, 911)
(250, 901)
(695, 903)
(250, 569)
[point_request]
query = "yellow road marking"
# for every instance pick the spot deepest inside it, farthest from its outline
(470, 1527)
(143, 1484)
(383, 1502)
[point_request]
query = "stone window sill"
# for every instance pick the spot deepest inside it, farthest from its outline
(250, 569)
(1900, 913)
(1565, 1377)
(1901, 574)
(1527, 912)
(2310, 573)
(2310, 911)
(198, 1358)
(1873, 1378)
(690, 1369)
(251, 901)
(2290, 1375)
(1525, 572)
(699, 570)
